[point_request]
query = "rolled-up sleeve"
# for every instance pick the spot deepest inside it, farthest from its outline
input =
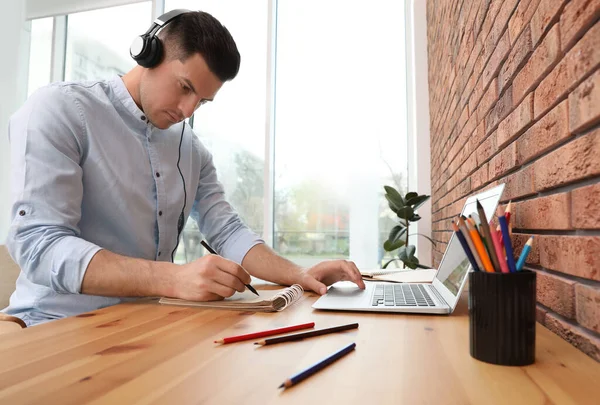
(47, 145)
(217, 219)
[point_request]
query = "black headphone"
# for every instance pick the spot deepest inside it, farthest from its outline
(181, 220)
(146, 49)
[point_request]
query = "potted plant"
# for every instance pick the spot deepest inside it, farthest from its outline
(406, 210)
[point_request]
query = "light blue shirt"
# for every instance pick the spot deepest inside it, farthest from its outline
(89, 172)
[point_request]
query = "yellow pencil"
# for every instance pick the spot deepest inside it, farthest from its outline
(476, 238)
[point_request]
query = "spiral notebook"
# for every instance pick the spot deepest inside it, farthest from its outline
(269, 300)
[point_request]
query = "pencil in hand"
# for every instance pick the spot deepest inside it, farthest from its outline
(211, 250)
(304, 335)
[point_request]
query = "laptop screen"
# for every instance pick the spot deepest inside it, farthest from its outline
(455, 265)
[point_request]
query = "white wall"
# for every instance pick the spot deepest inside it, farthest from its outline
(14, 32)
(419, 148)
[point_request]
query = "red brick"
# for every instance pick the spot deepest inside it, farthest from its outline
(574, 161)
(577, 336)
(521, 18)
(519, 184)
(480, 177)
(540, 314)
(468, 166)
(503, 161)
(513, 125)
(576, 18)
(586, 207)
(477, 136)
(515, 59)
(588, 306)
(581, 60)
(575, 255)
(544, 135)
(486, 149)
(500, 51)
(556, 293)
(464, 116)
(488, 100)
(546, 13)
(540, 63)
(584, 104)
(500, 110)
(519, 240)
(550, 212)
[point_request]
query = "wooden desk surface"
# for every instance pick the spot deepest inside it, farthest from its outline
(146, 353)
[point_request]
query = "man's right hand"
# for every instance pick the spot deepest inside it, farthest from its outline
(209, 278)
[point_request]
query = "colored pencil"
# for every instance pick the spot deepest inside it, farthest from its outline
(465, 246)
(211, 250)
(524, 253)
(510, 259)
(485, 259)
(488, 236)
(501, 258)
(463, 228)
(304, 335)
(271, 332)
(295, 379)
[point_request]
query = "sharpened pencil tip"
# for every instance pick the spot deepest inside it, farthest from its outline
(281, 386)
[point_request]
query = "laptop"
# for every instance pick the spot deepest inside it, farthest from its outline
(438, 297)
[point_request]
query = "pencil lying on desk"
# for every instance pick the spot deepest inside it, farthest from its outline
(304, 335)
(271, 332)
(295, 379)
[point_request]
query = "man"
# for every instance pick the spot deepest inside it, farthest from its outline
(103, 174)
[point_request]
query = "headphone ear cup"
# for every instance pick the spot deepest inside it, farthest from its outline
(155, 53)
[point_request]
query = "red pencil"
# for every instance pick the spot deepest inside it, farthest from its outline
(257, 335)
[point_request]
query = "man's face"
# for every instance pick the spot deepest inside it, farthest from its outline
(173, 90)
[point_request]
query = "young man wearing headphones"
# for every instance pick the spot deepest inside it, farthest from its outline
(104, 174)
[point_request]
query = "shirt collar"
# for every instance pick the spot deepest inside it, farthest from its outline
(122, 94)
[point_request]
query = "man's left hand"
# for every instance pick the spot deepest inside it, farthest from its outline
(319, 276)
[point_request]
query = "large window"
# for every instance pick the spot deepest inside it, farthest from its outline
(340, 130)
(232, 127)
(98, 41)
(40, 54)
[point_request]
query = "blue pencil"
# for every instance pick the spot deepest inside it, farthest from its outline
(510, 258)
(295, 379)
(465, 246)
(524, 253)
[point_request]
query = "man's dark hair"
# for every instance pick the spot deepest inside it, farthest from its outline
(200, 32)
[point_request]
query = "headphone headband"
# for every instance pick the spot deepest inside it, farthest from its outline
(146, 49)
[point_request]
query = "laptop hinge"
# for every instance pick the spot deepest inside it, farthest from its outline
(439, 296)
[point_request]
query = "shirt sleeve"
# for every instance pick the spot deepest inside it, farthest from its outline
(224, 229)
(47, 146)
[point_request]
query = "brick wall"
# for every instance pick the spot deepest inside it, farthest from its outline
(515, 99)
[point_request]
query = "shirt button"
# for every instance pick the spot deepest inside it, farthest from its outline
(143, 118)
(22, 213)
(159, 213)
(157, 174)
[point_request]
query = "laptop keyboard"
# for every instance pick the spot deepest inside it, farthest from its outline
(405, 295)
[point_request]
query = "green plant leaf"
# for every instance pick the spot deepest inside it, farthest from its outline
(394, 196)
(410, 195)
(417, 201)
(410, 252)
(415, 218)
(393, 206)
(405, 212)
(396, 233)
(390, 246)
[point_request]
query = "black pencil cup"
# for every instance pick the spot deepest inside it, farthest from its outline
(502, 317)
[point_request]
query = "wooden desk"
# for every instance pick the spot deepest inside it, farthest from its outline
(146, 353)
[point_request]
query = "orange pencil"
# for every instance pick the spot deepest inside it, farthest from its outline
(476, 238)
(462, 226)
